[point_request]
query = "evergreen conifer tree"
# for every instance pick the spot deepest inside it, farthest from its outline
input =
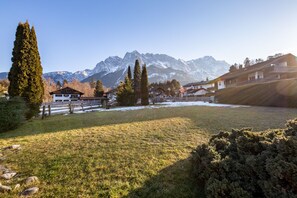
(144, 87)
(125, 93)
(137, 79)
(99, 91)
(129, 73)
(35, 90)
(25, 75)
(18, 74)
(59, 85)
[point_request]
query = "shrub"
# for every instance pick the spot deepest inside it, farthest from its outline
(12, 113)
(242, 163)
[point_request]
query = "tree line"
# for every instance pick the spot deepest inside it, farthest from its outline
(135, 89)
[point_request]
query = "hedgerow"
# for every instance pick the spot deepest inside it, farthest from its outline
(242, 163)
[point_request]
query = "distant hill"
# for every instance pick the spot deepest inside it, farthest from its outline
(3, 75)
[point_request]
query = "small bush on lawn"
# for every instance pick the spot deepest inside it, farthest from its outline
(12, 113)
(242, 163)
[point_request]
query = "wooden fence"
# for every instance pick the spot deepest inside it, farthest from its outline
(195, 98)
(53, 108)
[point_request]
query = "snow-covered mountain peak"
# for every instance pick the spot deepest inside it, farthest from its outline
(161, 67)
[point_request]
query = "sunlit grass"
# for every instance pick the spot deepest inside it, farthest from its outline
(116, 154)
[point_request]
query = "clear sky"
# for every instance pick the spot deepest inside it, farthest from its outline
(77, 34)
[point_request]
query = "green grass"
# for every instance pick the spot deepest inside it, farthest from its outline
(140, 153)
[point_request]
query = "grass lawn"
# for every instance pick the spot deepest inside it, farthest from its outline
(141, 153)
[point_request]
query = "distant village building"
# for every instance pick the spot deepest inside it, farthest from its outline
(66, 94)
(111, 94)
(201, 88)
(275, 68)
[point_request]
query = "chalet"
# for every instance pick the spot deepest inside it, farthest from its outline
(275, 68)
(66, 94)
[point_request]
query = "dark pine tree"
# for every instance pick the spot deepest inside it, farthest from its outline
(59, 86)
(136, 80)
(129, 73)
(35, 90)
(125, 93)
(99, 91)
(144, 87)
(18, 74)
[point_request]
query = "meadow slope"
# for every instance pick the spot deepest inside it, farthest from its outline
(141, 153)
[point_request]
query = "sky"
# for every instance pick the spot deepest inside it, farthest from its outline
(77, 34)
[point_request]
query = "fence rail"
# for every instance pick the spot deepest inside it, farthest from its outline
(55, 108)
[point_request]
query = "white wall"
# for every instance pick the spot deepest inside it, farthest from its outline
(200, 93)
(221, 84)
(63, 97)
(205, 86)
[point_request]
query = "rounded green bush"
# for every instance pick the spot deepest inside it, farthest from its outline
(12, 113)
(242, 163)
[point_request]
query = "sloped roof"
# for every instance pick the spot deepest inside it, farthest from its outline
(198, 83)
(255, 67)
(195, 90)
(66, 90)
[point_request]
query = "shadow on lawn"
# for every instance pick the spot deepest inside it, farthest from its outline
(172, 181)
(58, 123)
(210, 119)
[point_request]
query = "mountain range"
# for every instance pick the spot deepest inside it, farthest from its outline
(161, 67)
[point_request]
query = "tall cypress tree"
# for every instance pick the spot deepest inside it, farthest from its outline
(129, 74)
(144, 87)
(18, 74)
(35, 90)
(25, 75)
(99, 91)
(137, 79)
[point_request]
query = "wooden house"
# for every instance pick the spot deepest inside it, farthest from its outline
(66, 94)
(275, 68)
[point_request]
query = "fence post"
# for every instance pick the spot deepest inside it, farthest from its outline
(43, 112)
(104, 103)
(70, 108)
(49, 110)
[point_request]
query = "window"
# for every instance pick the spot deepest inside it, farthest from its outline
(59, 95)
(283, 64)
(58, 100)
(66, 100)
(66, 95)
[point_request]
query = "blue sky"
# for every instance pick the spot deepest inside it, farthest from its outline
(74, 35)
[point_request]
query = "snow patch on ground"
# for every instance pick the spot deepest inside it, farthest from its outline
(165, 105)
